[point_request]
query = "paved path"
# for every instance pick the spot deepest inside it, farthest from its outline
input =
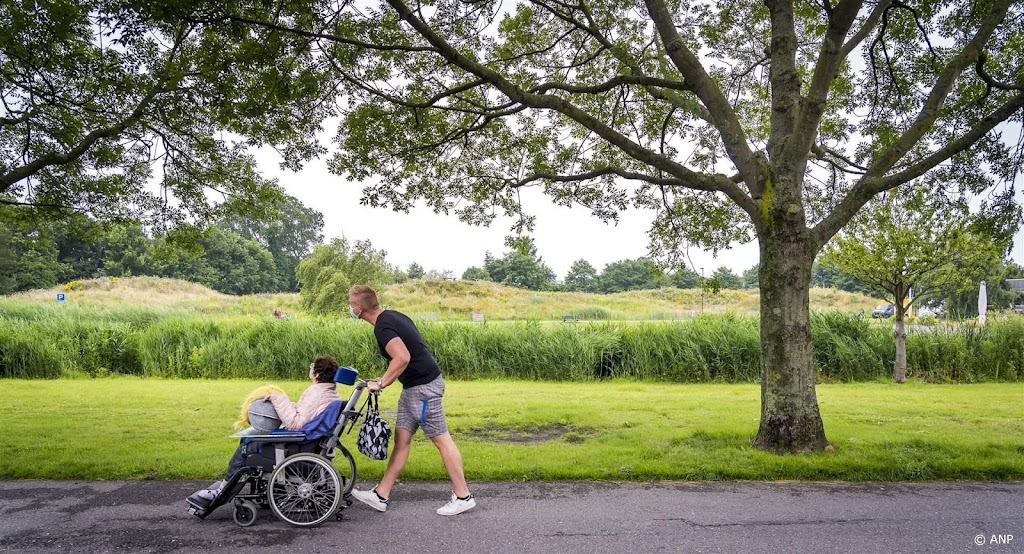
(589, 517)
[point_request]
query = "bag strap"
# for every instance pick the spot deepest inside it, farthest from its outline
(370, 404)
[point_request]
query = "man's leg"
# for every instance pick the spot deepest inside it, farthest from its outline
(452, 462)
(399, 455)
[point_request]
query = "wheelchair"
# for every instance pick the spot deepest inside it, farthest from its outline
(294, 473)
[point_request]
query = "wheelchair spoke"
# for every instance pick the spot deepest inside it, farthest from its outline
(305, 490)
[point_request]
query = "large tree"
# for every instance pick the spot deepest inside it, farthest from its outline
(735, 119)
(907, 243)
(289, 233)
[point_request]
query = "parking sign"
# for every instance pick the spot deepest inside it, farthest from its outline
(60, 297)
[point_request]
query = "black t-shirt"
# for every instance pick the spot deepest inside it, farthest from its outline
(422, 367)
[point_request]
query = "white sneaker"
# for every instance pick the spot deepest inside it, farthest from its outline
(208, 494)
(456, 506)
(204, 497)
(371, 499)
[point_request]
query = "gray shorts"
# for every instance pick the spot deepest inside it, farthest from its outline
(421, 407)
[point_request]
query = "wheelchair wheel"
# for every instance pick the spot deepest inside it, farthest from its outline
(244, 514)
(304, 490)
(346, 466)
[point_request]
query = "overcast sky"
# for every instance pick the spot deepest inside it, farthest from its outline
(439, 242)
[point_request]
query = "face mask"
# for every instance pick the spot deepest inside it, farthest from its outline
(352, 311)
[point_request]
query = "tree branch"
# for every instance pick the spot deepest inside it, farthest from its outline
(869, 25)
(990, 82)
(593, 31)
(867, 187)
(617, 81)
(723, 117)
(820, 152)
(311, 34)
(7, 180)
(922, 166)
(560, 105)
(36, 204)
(943, 85)
(830, 59)
(600, 173)
(27, 115)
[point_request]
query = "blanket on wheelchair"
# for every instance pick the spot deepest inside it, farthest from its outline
(243, 418)
(318, 427)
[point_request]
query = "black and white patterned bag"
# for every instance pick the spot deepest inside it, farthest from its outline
(374, 433)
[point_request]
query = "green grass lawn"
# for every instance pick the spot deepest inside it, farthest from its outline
(119, 428)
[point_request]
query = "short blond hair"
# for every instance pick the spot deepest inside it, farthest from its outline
(365, 297)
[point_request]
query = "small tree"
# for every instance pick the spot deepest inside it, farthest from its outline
(582, 277)
(750, 279)
(626, 275)
(520, 267)
(326, 275)
(964, 302)
(475, 274)
(910, 242)
(727, 278)
(686, 278)
(289, 233)
(240, 265)
(415, 271)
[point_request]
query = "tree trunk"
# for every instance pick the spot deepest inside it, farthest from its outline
(790, 420)
(899, 330)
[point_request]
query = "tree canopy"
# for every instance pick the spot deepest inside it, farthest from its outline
(520, 266)
(123, 111)
(475, 100)
(326, 275)
(289, 233)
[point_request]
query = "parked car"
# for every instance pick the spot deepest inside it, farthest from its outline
(1017, 308)
(884, 311)
(937, 309)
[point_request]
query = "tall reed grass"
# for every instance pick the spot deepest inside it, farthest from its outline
(41, 341)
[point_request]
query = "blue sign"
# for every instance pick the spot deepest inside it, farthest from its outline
(60, 297)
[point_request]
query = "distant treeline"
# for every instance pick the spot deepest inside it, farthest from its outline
(39, 341)
(239, 255)
(236, 255)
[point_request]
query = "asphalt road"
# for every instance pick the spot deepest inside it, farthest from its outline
(591, 517)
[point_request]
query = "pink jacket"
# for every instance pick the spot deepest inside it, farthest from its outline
(314, 400)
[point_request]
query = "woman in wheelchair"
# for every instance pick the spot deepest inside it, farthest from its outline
(293, 416)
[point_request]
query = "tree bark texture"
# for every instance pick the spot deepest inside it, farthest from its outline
(899, 331)
(790, 420)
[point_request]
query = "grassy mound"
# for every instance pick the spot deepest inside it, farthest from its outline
(440, 300)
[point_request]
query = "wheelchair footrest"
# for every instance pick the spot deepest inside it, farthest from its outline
(198, 511)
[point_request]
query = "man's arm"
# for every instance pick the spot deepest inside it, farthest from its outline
(399, 361)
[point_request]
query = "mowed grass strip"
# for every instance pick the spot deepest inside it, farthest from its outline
(128, 428)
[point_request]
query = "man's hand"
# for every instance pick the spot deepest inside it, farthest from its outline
(374, 386)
